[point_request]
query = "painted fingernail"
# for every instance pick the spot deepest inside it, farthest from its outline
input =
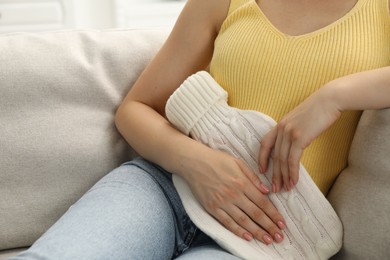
(265, 188)
(281, 224)
(261, 169)
(248, 236)
(267, 239)
(292, 183)
(278, 237)
(274, 187)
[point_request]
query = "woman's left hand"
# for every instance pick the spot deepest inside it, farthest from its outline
(287, 140)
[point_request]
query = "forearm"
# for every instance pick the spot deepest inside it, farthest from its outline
(360, 91)
(153, 137)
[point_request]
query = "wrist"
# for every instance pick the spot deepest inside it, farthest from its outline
(332, 94)
(190, 159)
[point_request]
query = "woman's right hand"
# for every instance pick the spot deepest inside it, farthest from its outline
(235, 196)
(223, 184)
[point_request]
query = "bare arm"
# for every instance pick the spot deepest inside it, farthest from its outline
(187, 50)
(359, 91)
(219, 181)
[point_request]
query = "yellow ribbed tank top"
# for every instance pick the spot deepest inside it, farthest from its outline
(265, 70)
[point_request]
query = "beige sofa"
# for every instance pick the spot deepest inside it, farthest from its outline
(58, 95)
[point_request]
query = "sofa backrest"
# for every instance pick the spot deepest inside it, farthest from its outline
(361, 194)
(58, 96)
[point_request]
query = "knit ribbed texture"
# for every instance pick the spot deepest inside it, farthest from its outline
(199, 108)
(200, 95)
(265, 70)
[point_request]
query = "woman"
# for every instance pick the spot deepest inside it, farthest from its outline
(305, 63)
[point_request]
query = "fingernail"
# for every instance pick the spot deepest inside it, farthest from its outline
(281, 224)
(267, 239)
(259, 184)
(248, 236)
(278, 237)
(265, 188)
(261, 169)
(292, 184)
(274, 187)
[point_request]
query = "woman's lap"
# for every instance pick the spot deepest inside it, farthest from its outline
(134, 212)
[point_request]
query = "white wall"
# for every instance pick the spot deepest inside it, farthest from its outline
(102, 14)
(97, 14)
(147, 13)
(41, 15)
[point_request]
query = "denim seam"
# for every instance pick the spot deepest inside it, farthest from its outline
(182, 242)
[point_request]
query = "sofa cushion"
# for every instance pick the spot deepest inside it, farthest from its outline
(58, 95)
(361, 194)
(4, 255)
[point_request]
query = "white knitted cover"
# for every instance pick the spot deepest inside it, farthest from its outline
(199, 108)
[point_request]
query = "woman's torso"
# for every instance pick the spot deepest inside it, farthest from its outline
(269, 70)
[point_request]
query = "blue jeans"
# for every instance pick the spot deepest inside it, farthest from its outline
(134, 212)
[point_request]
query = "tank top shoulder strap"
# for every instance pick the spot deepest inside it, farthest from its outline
(235, 4)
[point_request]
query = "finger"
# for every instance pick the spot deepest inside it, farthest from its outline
(266, 145)
(263, 212)
(293, 163)
(264, 203)
(245, 222)
(229, 223)
(285, 148)
(277, 180)
(253, 178)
